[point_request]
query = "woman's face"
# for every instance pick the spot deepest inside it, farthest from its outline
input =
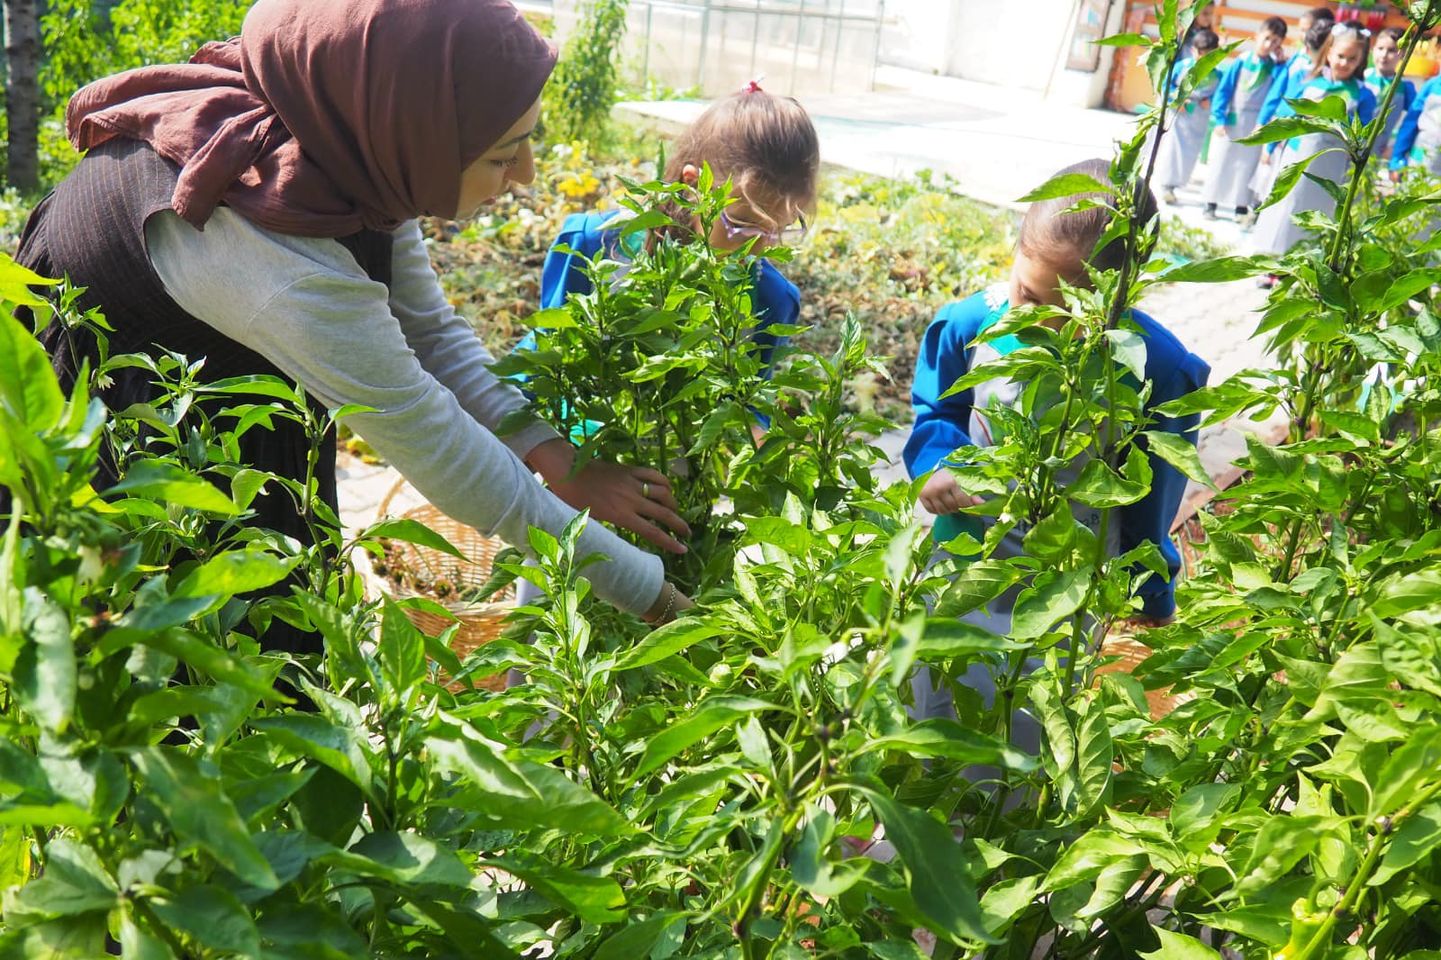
(1345, 58)
(509, 161)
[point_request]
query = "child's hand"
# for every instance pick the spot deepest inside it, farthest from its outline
(942, 494)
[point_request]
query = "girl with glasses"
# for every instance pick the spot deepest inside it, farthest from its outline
(767, 147)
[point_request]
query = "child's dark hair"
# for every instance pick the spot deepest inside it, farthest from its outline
(1051, 230)
(1275, 26)
(1343, 31)
(1204, 40)
(764, 144)
(1318, 35)
(1319, 14)
(1395, 33)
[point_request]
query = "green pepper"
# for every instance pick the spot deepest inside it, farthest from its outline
(1305, 921)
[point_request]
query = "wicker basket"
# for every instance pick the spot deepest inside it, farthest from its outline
(443, 578)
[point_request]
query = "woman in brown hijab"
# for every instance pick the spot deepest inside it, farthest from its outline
(257, 207)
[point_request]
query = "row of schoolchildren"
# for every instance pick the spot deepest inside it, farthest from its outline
(1258, 86)
(767, 147)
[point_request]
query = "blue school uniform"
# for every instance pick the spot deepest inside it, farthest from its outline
(1378, 85)
(774, 299)
(943, 425)
(1285, 86)
(1236, 108)
(1185, 138)
(1418, 139)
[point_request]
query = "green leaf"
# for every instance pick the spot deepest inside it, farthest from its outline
(1051, 598)
(1412, 591)
(1413, 842)
(712, 715)
(198, 811)
(947, 738)
(74, 882)
(213, 917)
(1178, 946)
(411, 860)
(15, 284)
(401, 650)
(29, 390)
(1287, 179)
(556, 318)
(592, 898)
(975, 586)
(336, 745)
(667, 641)
(939, 879)
(1003, 902)
(1280, 844)
(647, 220)
(637, 938)
(945, 638)
(1067, 185)
(1179, 453)
(1095, 753)
(1084, 860)
(1414, 764)
(1396, 291)
(170, 483)
(1129, 350)
(1218, 270)
(213, 661)
(412, 531)
(1100, 486)
(44, 671)
(812, 869)
(236, 572)
(522, 793)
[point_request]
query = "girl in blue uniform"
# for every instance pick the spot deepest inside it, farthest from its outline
(1338, 73)
(767, 146)
(1055, 244)
(1385, 58)
(1235, 113)
(1183, 140)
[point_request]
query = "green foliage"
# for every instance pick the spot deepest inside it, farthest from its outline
(661, 370)
(85, 41)
(702, 790)
(581, 92)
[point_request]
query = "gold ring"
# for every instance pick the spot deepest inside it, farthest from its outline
(645, 489)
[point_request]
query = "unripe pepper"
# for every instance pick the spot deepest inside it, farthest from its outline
(1305, 921)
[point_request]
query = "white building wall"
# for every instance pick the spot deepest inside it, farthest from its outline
(1015, 43)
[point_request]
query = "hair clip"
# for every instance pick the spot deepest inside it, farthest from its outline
(753, 87)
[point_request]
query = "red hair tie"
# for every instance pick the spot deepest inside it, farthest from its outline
(753, 87)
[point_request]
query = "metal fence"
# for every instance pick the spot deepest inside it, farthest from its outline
(714, 46)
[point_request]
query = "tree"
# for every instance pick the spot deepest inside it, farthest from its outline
(22, 92)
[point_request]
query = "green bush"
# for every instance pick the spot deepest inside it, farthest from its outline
(582, 90)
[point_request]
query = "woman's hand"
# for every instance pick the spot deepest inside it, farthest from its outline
(637, 499)
(942, 494)
(670, 604)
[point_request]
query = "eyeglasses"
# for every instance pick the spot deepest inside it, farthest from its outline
(787, 236)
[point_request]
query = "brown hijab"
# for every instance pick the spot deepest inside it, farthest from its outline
(327, 116)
